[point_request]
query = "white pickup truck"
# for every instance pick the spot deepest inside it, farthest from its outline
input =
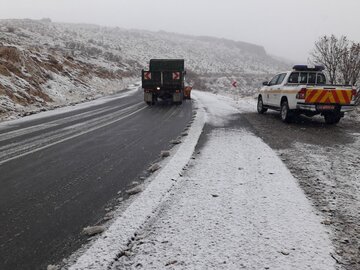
(304, 91)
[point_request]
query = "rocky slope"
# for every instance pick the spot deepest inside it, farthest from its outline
(45, 64)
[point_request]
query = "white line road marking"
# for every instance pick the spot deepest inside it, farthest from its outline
(37, 143)
(19, 132)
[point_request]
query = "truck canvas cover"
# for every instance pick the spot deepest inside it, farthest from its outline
(167, 65)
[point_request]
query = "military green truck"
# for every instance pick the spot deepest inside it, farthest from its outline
(164, 80)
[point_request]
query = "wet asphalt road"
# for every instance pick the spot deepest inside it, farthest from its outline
(58, 173)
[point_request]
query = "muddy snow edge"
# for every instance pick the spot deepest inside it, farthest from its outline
(105, 249)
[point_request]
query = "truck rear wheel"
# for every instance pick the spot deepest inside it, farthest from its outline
(332, 118)
(154, 100)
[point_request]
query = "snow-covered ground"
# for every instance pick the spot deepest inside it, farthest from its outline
(235, 205)
(45, 64)
(132, 88)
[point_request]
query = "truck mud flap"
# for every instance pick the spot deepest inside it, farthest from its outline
(148, 97)
(177, 97)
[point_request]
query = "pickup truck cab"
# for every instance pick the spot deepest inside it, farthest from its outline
(303, 90)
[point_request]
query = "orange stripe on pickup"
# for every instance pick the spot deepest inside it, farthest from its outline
(328, 96)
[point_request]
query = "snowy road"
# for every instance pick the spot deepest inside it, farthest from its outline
(227, 213)
(225, 199)
(60, 170)
(234, 206)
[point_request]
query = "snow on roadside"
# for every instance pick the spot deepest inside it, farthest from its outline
(332, 170)
(64, 95)
(243, 210)
(101, 100)
(330, 177)
(354, 115)
(237, 207)
(247, 213)
(221, 108)
(109, 245)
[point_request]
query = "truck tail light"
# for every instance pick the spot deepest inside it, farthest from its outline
(301, 94)
(353, 94)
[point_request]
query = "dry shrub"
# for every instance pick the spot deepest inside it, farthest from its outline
(10, 54)
(2, 90)
(4, 71)
(40, 94)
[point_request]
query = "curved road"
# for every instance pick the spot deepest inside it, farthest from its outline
(58, 173)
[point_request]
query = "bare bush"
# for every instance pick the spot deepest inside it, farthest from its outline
(112, 57)
(350, 64)
(329, 52)
(11, 29)
(195, 80)
(92, 51)
(340, 57)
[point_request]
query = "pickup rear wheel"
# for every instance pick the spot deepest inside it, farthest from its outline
(332, 118)
(260, 106)
(285, 112)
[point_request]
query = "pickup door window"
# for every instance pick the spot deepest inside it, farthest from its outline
(294, 77)
(307, 78)
(320, 78)
(303, 77)
(274, 80)
(312, 78)
(281, 78)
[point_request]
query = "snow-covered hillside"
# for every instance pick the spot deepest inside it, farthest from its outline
(45, 64)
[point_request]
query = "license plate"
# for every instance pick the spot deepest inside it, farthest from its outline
(325, 107)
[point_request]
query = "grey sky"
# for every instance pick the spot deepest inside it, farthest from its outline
(286, 28)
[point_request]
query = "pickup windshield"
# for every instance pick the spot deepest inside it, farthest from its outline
(307, 78)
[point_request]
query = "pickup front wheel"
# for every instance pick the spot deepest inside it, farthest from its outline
(260, 106)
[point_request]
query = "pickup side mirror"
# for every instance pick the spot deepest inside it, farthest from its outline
(266, 83)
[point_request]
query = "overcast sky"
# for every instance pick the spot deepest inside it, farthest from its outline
(286, 28)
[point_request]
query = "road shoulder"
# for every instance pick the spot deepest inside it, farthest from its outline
(110, 245)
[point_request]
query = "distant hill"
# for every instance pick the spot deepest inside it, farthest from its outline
(45, 64)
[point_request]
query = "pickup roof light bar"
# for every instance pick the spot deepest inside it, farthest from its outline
(308, 68)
